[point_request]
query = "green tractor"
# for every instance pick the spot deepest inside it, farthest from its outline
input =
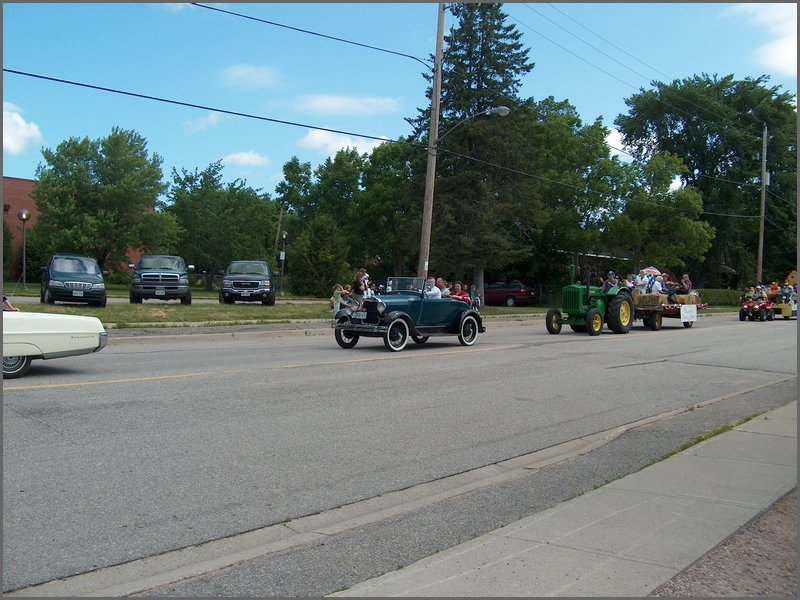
(585, 308)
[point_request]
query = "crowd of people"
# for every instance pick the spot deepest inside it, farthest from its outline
(648, 283)
(774, 292)
(361, 287)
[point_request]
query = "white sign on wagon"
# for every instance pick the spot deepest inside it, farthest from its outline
(688, 313)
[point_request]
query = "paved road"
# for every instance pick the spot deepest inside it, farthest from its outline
(155, 445)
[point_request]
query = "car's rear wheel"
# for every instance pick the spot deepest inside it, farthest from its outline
(511, 301)
(553, 321)
(15, 366)
(346, 339)
(396, 337)
(468, 331)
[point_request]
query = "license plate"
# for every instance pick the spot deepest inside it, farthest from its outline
(243, 294)
(360, 314)
(77, 293)
(161, 293)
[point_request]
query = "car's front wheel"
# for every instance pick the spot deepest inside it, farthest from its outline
(187, 299)
(15, 366)
(468, 332)
(346, 339)
(396, 337)
(511, 301)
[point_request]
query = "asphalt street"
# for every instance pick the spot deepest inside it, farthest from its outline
(165, 443)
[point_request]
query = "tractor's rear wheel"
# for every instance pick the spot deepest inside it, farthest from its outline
(619, 315)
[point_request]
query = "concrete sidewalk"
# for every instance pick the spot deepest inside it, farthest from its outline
(625, 538)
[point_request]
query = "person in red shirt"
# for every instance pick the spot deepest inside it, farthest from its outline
(459, 292)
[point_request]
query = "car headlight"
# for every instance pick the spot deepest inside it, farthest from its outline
(137, 279)
(98, 286)
(55, 283)
(264, 285)
(381, 307)
(184, 280)
(227, 282)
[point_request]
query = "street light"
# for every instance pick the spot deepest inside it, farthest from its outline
(430, 176)
(283, 258)
(24, 215)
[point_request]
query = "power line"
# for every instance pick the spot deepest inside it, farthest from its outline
(193, 105)
(309, 32)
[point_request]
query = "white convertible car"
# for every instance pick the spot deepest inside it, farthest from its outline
(47, 335)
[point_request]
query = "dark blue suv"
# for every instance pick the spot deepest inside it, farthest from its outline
(73, 278)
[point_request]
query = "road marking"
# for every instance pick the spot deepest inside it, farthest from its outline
(102, 382)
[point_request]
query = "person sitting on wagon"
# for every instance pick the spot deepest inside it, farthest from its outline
(685, 284)
(657, 288)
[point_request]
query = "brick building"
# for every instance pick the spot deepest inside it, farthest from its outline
(17, 195)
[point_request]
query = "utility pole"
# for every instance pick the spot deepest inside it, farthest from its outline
(763, 199)
(433, 138)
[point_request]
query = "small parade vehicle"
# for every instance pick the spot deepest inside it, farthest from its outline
(405, 311)
(752, 309)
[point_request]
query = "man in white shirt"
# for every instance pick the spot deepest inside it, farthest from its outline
(431, 291)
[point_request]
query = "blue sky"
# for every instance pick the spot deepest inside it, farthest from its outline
(593, 55)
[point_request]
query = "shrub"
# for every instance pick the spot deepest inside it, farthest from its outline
(720, 297)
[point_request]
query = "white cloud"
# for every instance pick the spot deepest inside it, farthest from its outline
(251, 76)
(203, 123)
(330, 143)
(779, 55)
(614, 141)
(246, 159)
(348, 105)
(17, 132)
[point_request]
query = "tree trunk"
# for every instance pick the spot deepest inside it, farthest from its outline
(477, 279)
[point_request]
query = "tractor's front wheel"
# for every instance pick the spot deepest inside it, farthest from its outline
(594, 322)
(553, 321)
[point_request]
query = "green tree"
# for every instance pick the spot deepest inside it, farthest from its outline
(659, 225)
(317, 258)
(483, 63)
(387, 214)
(714, 125)
(220, 222)
(293, 192)
(95, 196)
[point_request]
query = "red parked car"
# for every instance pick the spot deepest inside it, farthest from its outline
(508, 293)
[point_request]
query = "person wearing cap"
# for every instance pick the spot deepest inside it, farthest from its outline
(611, 281)
(759, 295)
